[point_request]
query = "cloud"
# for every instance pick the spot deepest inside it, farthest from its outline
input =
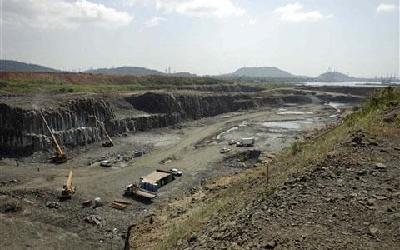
(62, 14)
(294, 12)
(199, 8)
(137, 2)
(252, 21)
(155, 21)
(383, 7)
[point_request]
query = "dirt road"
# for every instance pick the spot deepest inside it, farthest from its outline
(37, 183)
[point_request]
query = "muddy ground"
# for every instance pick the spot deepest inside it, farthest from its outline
(32, 217)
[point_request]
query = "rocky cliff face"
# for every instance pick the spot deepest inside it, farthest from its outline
(189, 106)
(22, 130)
(198, 106)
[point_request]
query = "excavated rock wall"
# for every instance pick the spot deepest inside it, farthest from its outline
(22, 130)
(198, 106)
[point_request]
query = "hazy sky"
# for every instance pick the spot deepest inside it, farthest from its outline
(304, 37)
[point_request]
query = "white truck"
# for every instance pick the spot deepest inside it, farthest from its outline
(246, 142)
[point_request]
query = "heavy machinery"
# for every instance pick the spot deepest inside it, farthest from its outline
(133, 190)
(59, 155)
(109, 142)
(67, 189)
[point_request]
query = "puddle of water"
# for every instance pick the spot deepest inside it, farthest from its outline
(294, 113)
(147, 138)
(284, 125)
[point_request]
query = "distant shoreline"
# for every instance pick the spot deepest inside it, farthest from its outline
(349, 84)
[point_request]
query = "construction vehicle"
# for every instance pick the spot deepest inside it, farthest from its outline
(109, 142)
(68, 189)
(59, 155)
(133, 190)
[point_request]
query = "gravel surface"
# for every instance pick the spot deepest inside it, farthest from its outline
(350, 200)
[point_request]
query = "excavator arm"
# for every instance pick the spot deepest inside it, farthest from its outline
(68, 189)
(69, 182)
(109, 142)
(59, 156)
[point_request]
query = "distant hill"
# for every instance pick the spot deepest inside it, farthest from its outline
(272, 72)
(334, 77)
(182, 74)
(134, 71)
(14, 66)
(138, 71)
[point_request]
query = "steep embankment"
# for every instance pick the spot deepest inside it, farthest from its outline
(73, 117)
(23, 130)
(338, 190)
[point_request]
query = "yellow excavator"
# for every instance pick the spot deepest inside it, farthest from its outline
(109, 142)
(68, 189)
(59, 155)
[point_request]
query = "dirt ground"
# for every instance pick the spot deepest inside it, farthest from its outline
(350, 200)
(28, 186)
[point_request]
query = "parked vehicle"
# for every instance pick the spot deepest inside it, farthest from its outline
(232, 142)
(224, 150)
(137, 153)
(176, 172)
(246, 142)
(105, 164)
(137, 192)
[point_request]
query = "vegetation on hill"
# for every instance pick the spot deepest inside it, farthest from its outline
(86, 82)
(136, 71)
(14, 66)
(270, 72)
(334, 77)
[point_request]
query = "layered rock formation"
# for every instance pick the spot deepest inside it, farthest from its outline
(23, 130)
(73, 119)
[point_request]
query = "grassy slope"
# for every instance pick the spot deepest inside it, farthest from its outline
(62, 82)
(81, 82)
(252, 184)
